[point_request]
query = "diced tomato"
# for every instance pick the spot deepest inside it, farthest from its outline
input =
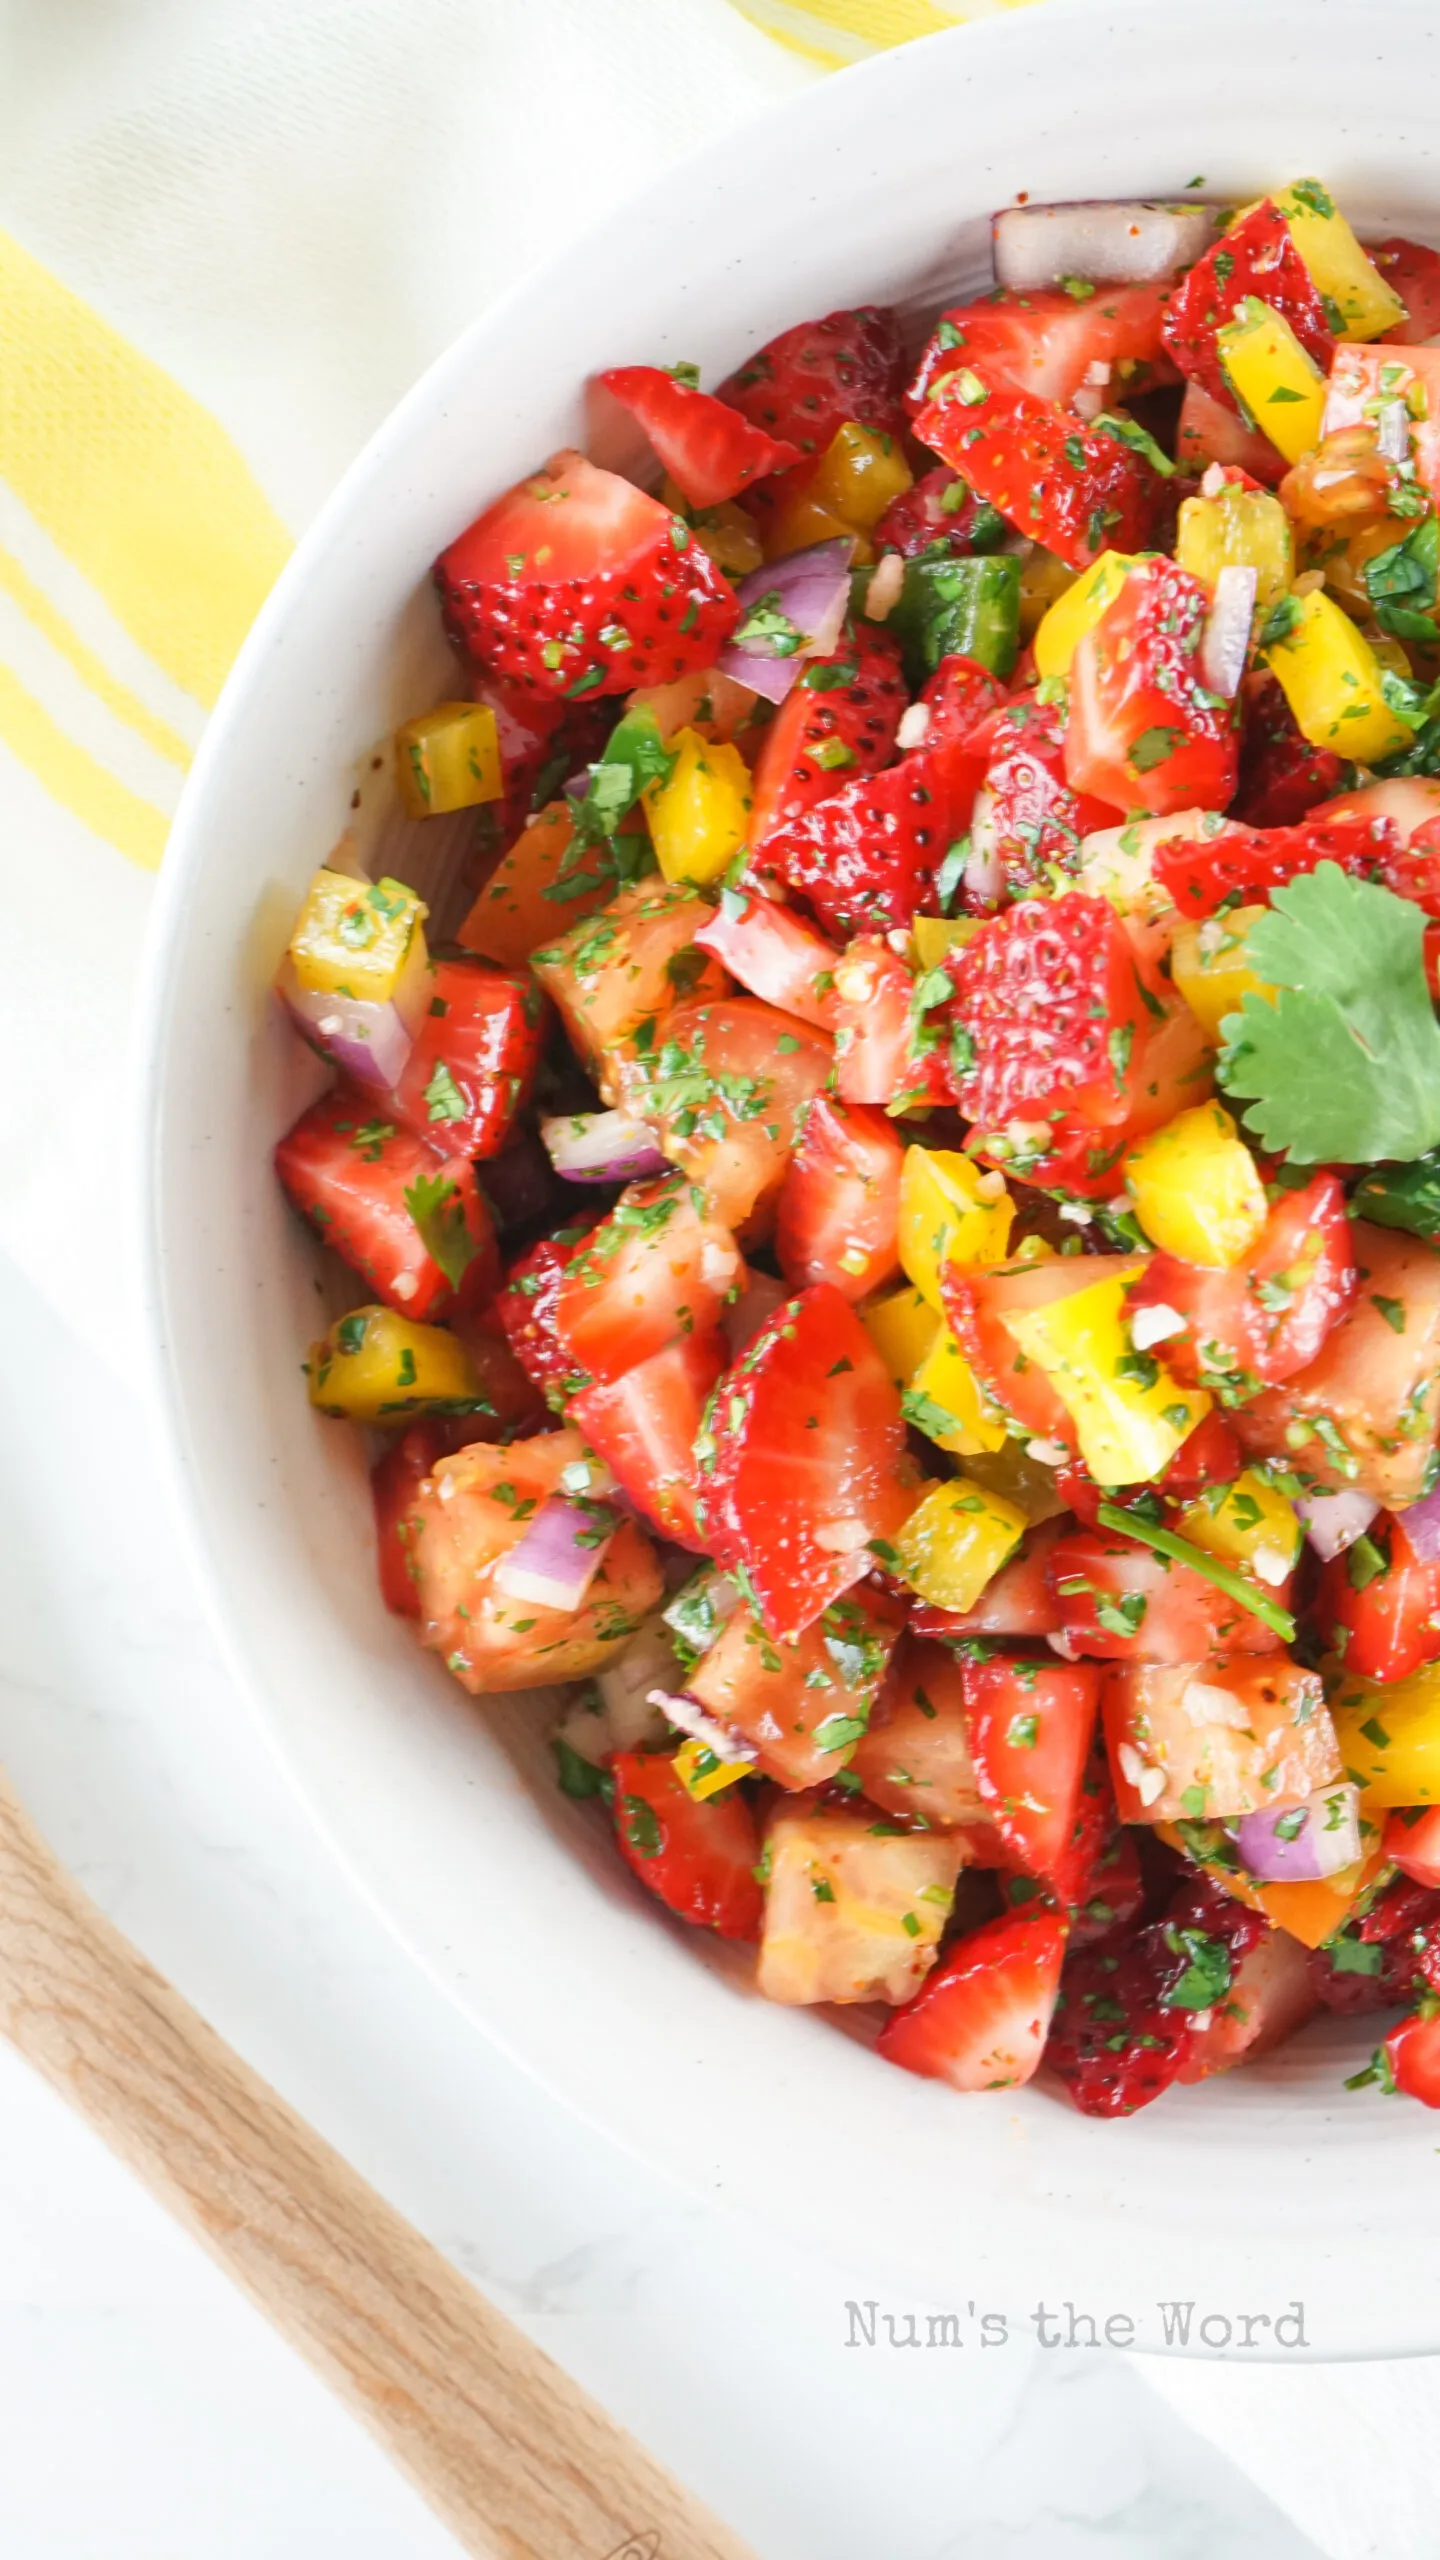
(1282, 777)
(803, 1701)
(1270, 1995)
(627, 968)
(1052, 344)
(699, 1858)
(1371, 1398)
(1412, 1837)
(1144, 733)
(405, 1213)
(959, 696)
(1268, 1317)
(981, 2018)
(709, 450)
(473, 1508)
(1258, 258)
(914, 1758)
(940, 509)
(1031, 1727)
(837, 1215)
(724, 1089)
(808, 1463)
(1017, 1601)
(1216, 1738)
(1122, 1602)
(1211, 1455)
(806, 383)
(1075, 489)
(577, 578)
(1378, 1605)
(653, 1271)
(884, 1052)
(1052, 1007)
(1413, 2052)
(645, 1424)
(837, 721)
(405, 1465)
(868, 855)
(1413, 272)
(775, 954)
(475, 1058)
(977, 1301)
(1211, 431)
(1027, 823)
(526, 1308)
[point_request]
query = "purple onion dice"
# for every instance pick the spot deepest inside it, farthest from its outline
(1302, 1843)
(601, 1146)
(369, 1043)
(791, 610)
(559, 1556)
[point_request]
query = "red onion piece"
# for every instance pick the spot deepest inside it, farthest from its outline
(1333, 1521)
(1043, 244)
(370, 1043)
(1302, 1843)
(688, 1714)
(601, 1146)
(559, 1556)
(1421, 1524)
(1225, 645)
(811, 589)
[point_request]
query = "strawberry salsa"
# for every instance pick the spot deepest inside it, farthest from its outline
(898, 1210)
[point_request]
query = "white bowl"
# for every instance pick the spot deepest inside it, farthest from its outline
(1243, 2195)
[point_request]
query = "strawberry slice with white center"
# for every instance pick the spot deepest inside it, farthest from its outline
(1054, 344)
(981, 2019)
(709, 450)
(577, 583)
(1031, 1726)
(804, 1468)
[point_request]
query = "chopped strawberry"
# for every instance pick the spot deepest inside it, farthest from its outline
(1031, 1728)
(1258, 258)
(884, 1050)
(526, 1308)
(1201, 874)
(839, 1203)
(398, 1209)
(806, 1467)
(1117, 2041)
(1118, 1601)
(806, 383)
(1112, 1895)
(1266, 1319)
(838, 721)
(1413, 871)
(1075, 489)
(775, 954)
(514, 1407)
(1017, 1601)
(724, 1088)
(1378, 1605)
(709, 450)
(1373, 1962)
(1412, 1838)
(1282, 777)
(981, 2019)
(1412, 2052)
(1414, 273)
(406, 1464)
(1210, 1455)
(1211, 431)
(1270, 1995)
(1049, 1010)
(1027, 823)
(1143, 731)
(959, 696)
(653, 1271)
(1052, 344)
(868, 855)
(939, 509)
(475, 1057)
(577, 583)
(645, 1424)
(699, 1858)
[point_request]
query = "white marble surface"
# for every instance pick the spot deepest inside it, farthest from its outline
(150, 2415)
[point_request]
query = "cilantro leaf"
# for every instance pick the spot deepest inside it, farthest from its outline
(1344, 1066)
(438, 1212)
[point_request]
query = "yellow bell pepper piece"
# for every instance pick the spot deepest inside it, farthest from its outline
(698, 818)
(949, 1397)
(1246, 1523)
(1130, 1415)
(360, 938)
(1044, 579)
(1241, 528)
(858, 474)
(375, 1366)
(1339, 269)
(1309, 1912)
(936, 936)
(725, 532)
(1077, 611)
(449, 759)
(800, 520)
(1281, 386)
(957, 1541)
(702, 1773)
(950, 1211)
(1389, 1734)
(1209, 968)
(1330, 676)
(1196, 1188)
(903, 1329)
